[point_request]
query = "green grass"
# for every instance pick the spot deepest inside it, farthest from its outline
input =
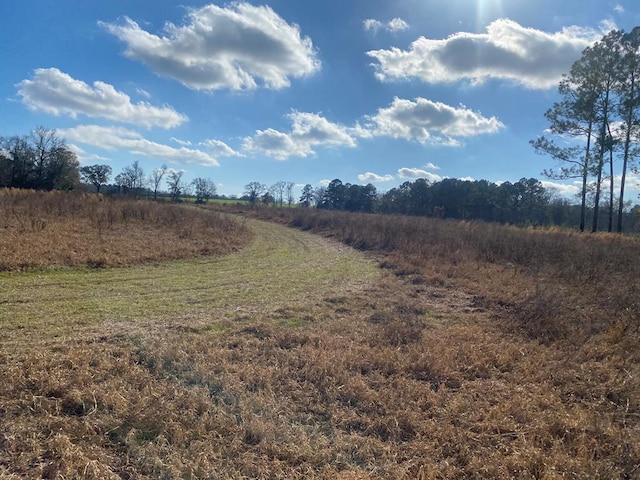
(280, 269)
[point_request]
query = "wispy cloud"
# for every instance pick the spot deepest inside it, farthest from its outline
(393, 26)
(118, 138)
(57, 93)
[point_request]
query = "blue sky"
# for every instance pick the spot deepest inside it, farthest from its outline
(367, 91)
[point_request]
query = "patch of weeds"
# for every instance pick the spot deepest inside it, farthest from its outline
(261, 332)
(336, 300)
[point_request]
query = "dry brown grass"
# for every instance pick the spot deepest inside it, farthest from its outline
(363, 386)
(60, 229)
(444, 367)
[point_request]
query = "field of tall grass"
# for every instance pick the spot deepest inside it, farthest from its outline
(439, 350)
(556, 280)
(45, 229)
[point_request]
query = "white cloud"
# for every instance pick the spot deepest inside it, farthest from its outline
(371, 25)
(393, 26)
(309, 130)
(430, 122)
(143, 93)
(274, 144)
(84, 157)
(374, 178)
(57, 93)
(418, 173)
(432, 166)
(324, 183)
(397, 25)
(219, 149)
(116, 138)
(238, 47)
(184, 143)
(619, 9)
(563, 189)
(507, 51)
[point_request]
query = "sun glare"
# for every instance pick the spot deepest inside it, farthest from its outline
(486, 11)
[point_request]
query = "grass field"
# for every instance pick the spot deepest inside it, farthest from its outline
(298, 357)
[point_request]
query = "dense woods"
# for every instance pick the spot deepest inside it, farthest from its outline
(525, 202)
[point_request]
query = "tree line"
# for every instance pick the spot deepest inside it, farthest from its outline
(525, 202)
(40, 160)
(596, 123)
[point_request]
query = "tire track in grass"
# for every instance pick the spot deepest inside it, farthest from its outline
(281, 268)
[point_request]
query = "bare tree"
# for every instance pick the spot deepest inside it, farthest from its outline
(45, 144)
(132, 178)
(277, 191)
(289, 189)
(205, 189)
(156, 178)
(176, 185)
(253, 191)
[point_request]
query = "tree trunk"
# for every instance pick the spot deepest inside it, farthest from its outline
(585, 177)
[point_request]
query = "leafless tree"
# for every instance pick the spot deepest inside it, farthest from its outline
(156, 178)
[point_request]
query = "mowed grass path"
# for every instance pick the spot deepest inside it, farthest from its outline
(281, 269)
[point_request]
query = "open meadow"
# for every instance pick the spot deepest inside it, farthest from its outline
(144, 341)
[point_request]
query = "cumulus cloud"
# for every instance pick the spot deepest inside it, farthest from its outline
(506, 51)
(430, 122)
(57, 93)
(431, 166)
(309, 131)
(370, 177)
(415, 173)
(563, 189)
(219, 149)
(422, 120)
(116, 138)
(393, 26)
(237, 47)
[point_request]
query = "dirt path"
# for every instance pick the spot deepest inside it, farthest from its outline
(282, 268)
